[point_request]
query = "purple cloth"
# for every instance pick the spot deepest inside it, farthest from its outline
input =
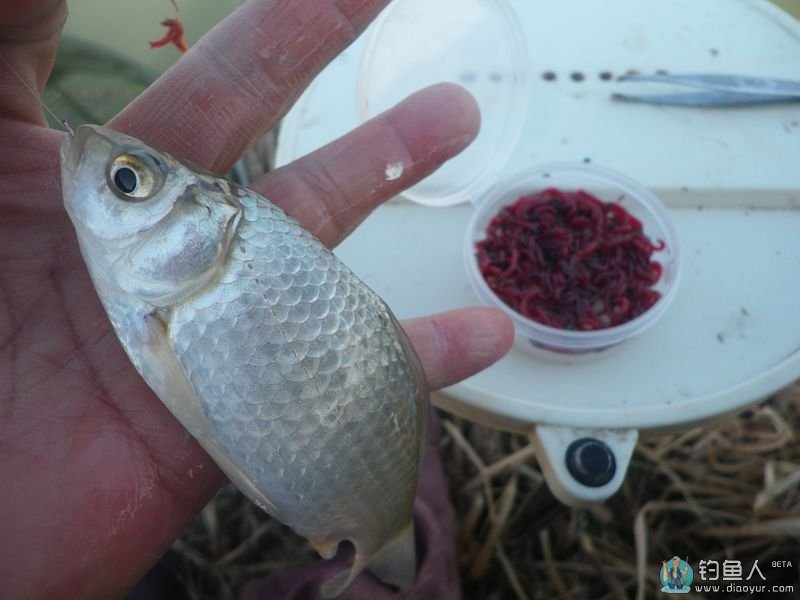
(437, 572)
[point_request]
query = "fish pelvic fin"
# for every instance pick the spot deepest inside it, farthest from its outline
(395, 563)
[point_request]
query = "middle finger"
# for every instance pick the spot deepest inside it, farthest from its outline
(331, 190)
(242, 77)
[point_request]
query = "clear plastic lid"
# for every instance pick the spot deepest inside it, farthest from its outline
(477, 44)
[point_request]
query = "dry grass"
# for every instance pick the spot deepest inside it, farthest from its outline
(727, 490)
(724, 491)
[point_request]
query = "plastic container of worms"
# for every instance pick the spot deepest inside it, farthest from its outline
(606, 186)
(479, 45)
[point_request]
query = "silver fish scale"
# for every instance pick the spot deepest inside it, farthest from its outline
(297, 365)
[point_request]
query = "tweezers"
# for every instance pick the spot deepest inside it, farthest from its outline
(718, 90)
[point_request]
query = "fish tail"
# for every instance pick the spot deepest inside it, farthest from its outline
(395, 563)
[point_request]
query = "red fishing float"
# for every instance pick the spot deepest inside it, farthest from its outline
(174, 33)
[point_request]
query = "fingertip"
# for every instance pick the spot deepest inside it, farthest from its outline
(460, 105)
(436, 123)
(457, 344)
(497, 328)
(489, 336)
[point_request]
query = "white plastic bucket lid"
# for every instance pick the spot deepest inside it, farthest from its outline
(477, 44)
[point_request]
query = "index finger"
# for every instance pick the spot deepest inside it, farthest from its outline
(242, 77)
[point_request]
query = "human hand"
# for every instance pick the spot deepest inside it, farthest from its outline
(98, 478)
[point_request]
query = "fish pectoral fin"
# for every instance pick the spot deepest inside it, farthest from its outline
(395, 564)
(177, 393)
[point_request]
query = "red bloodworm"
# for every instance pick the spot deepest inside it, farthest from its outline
(569, 260)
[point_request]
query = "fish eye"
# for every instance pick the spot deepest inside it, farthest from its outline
(135, 177)
(126, 180)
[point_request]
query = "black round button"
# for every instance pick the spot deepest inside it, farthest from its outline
(590, 462)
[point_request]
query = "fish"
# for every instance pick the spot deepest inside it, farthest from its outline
(289, 371)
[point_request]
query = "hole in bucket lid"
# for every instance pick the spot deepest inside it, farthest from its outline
(591, 462)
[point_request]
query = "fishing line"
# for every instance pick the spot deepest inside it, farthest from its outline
(64, 123)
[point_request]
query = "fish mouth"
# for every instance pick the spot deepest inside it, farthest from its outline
(72, 152)
(74, 146)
